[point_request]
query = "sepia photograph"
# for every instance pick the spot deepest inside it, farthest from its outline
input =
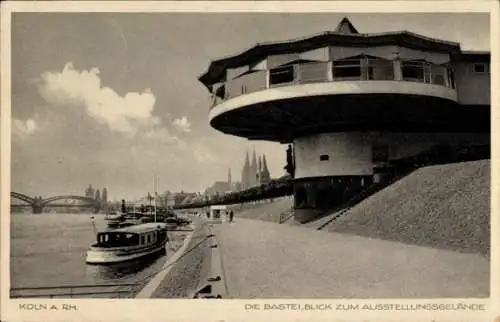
(250, 155)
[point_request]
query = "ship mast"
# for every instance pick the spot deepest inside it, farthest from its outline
(155, 194)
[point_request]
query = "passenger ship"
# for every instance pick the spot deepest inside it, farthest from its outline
(129, 243)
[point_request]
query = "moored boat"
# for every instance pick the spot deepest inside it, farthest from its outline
(113, 220)
(129, 243)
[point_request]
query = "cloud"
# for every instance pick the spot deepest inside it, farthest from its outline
(161, 134)
(182, 124)
(126, 114)
(24, 128)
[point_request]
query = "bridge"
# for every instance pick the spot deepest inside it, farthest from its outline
(38, 203)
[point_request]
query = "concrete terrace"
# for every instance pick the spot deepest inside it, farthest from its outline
(268, 260)
(265, 209)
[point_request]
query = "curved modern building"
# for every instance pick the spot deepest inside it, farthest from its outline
(348, 102)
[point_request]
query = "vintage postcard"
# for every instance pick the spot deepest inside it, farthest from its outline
(242, 161)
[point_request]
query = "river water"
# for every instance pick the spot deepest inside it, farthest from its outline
(49, 250)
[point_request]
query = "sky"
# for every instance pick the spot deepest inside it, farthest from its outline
(110, 99)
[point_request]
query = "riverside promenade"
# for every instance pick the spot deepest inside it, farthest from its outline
(267, 260)
(184, 270)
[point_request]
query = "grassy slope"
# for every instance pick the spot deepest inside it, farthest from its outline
(446, 206)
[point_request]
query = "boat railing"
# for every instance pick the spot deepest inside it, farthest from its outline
(126, 290)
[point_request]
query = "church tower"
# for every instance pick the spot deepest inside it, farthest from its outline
(259, 171)
(245, 173)
(253, 170)
(266, 176)
(229, 180)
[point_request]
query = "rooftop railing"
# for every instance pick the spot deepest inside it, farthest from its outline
(363, 69)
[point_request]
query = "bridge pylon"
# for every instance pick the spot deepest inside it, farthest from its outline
(37, 205)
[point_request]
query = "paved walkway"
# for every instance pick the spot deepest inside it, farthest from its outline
(267, 260)
(184, 272)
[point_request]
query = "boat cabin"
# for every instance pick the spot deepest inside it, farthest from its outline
(138, 235)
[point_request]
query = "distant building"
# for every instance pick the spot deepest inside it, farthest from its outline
(252, 175)
(218, 188)
(90, 192)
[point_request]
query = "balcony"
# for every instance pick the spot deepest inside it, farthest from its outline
(352, 69)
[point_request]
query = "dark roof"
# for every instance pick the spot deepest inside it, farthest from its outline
(345, 26)
(475, 56)
(217, 68)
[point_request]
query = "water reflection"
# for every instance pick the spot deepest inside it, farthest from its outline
(60, 259)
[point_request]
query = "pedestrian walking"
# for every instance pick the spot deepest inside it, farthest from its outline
(231, 216)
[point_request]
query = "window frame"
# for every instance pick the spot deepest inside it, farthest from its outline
(348, 63)
(485, 68)
(289, 69)
(423, 66)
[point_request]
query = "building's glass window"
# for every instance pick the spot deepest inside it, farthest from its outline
(347, 69)
(479, 68)
(413, 71)
(281, 75)
(324, 157)
(221, 92)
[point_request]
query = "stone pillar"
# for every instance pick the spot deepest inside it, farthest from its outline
(398, 73)
(37, 205)
(329, 71)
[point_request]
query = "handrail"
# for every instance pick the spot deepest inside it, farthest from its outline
(284, 217)
(70, 286)
(72, 294)
(71, 290)
(312, 72)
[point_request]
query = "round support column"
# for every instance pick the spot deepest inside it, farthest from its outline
(329, 167)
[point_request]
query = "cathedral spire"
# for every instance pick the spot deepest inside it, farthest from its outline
(259, 171)
(266, 176)
(245, 173)
(247, 159)
(264, 163)
(229, 179)
(253, 170)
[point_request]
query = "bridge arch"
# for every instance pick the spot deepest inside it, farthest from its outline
(49, 200)
(22, 197)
